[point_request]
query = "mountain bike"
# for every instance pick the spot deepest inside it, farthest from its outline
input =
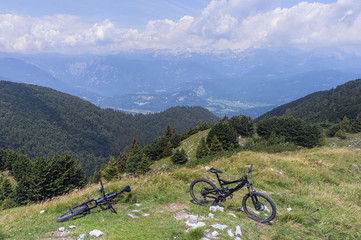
(256, 205)
(85, 207)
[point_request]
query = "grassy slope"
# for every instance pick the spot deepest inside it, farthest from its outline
(327, 178)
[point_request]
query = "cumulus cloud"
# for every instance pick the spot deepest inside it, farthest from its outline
(223, 24)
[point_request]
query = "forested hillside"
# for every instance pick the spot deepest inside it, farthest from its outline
(41, 122)
(333, 105)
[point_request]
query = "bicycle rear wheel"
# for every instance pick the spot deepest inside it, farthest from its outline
(259, 207)
(203, 191)
(73, 212)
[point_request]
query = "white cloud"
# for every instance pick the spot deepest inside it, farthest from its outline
(223, 24)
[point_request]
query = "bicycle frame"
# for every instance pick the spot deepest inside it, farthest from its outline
(105, 199)
(229, 191)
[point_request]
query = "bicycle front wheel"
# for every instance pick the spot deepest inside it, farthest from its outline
(73, 212)
(203, 191)
(259, 207)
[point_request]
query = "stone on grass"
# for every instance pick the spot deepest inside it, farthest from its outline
(232, 214)
(219, 226)
(230, 233)
(72, 226)
(216, 208)
(210, 215)
(289, 209)
(81, 236)
(61, 229)
(238, 231)
(96, 233)
(42, 211)
(214, 234)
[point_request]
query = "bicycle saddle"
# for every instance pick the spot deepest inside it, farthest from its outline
(213, 170)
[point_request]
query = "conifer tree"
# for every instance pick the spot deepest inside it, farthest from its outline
(134, 147)
(216, 146)
(111, 170)
(168, 132)
(179, 157)
(167, 152)
(202, 149)
(356, 125)
(144, 165)
(122, 160)
(6, 187)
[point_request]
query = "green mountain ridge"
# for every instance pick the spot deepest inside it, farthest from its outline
(333, 105)
(41, 122)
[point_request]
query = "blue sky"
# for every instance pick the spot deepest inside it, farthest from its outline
(107, 26)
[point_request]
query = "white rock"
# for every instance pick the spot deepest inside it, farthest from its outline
(135, 210)
(72, 226)
(96, 233)
(146, 214)
(216, 208)
(61, 229)
(230, 233)
(204, 238)
(238, 231)
(215, 234)
(195, 225)
(237, 238)
(42, 211)
(232, 214)
(206, 168)
(81, 236)
(219, 226)
(137, 204)
(210, 215)
(289, 209)
(193, 219)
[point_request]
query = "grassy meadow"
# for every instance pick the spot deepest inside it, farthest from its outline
(321, 186)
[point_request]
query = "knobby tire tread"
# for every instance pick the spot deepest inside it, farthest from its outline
(268, 199)
(69, 214)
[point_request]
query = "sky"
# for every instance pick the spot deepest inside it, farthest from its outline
(111, 26)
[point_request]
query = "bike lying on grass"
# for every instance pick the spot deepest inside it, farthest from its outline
(256, 205)
(85, 207)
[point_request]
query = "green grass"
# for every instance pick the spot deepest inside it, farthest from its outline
(325, 178)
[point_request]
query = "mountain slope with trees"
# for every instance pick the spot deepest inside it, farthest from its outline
(332, 105)
(41, 122)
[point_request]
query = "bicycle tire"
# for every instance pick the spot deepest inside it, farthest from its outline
(81, 208)
(208, 192)
(264, 212)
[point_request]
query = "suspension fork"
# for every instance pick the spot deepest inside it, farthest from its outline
(253, 197)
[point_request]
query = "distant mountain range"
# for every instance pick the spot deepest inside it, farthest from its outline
(332, 105)
(251, 83)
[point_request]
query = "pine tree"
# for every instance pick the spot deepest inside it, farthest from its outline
(179, 157)
(144, 165)
(202, 149)
(111, 171)
(216, 146)
(6, 187)
(168, 133)
(356, 125)
(167, 152)
(134, 147)
(122, 160)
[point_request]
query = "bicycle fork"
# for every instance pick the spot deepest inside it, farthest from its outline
(254, 198)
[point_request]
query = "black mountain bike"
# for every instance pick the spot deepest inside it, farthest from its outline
(85, 207)
(256, 205)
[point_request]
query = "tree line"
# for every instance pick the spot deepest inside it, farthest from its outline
(36, 181)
